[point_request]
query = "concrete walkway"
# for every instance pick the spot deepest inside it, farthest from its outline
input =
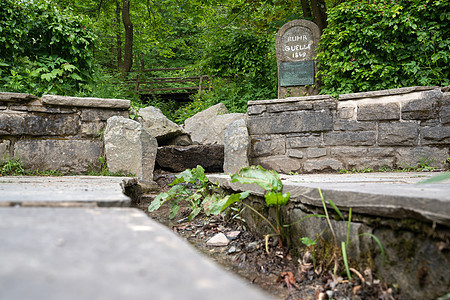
(56, 243)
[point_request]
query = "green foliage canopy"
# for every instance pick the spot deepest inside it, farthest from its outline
(375, 45)
(43, 49)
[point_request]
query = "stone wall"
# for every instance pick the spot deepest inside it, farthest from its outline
(391, 128)
(56, 132)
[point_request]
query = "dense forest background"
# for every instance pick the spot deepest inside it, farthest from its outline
(89, 47)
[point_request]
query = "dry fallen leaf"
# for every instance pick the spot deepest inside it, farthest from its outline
(287, 278)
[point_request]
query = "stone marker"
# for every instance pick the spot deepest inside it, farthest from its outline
(236, 146)
(128, 147)
(295, 45)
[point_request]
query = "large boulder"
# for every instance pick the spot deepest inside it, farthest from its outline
(178, 158)
(236, 147)
(129, 148)
(163, 129)
(208, 127)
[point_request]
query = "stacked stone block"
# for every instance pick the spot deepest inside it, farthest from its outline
(391, 128)
(56, 132)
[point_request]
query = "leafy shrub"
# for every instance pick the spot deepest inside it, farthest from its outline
(375, 45)
(43, 50)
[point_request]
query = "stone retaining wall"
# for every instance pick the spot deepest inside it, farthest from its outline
(391, 128)
(56, 132)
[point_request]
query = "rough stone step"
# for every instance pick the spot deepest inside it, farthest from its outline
(394, 195)
(63, 191)
(114, 253)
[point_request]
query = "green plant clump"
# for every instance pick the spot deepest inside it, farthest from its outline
(377, 45)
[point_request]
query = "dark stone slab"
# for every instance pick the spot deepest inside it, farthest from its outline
(79, 156)
(97, 114)
(424, 108)
(435, 135)
(389, 92)
(312, 140)
(265, 147)
(356, 138)
(16, 97)
(302, 121)
(378, 111)
(39, 124)
(398, 133)
(180, 158)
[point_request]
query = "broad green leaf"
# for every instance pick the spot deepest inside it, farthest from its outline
(76, 77)
(267, 179)
(174, 207)
(158, 201)
(223, 203)
(307, 241)
(274, 198)
(437, 178)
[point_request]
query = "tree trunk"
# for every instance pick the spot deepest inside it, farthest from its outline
(319, 13)
(306, 9)
(118, 38)
(128, 49)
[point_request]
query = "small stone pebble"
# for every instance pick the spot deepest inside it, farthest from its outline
(232, 235)
(232, 250)
(252, 246)
(219, 240)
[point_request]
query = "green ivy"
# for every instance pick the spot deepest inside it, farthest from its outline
(376, 45)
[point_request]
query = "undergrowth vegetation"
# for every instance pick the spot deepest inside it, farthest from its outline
(205, 197)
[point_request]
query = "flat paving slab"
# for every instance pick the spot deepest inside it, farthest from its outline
(63, 191)
(394, 195)
(104, 253)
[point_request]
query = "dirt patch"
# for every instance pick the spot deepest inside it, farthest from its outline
(276, 272)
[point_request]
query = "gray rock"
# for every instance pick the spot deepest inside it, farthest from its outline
(208, 127)
(355, 138)
(101, 114)
(435, 135)
(78, 156)
(158, 125)
(236, 147)
(181, 140)
(410, 157)
(309, 140)
(253, 246)
(378, 111)
(398, 133)
(15, 97)
(4, 150)
(320, 165)
(276, 145)
(85, 102)
(219, 240)
(130, 148)
(316, 152)
(18, 123)
(291, 122)
(180, 158)
(423, 108)
(281, 164)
